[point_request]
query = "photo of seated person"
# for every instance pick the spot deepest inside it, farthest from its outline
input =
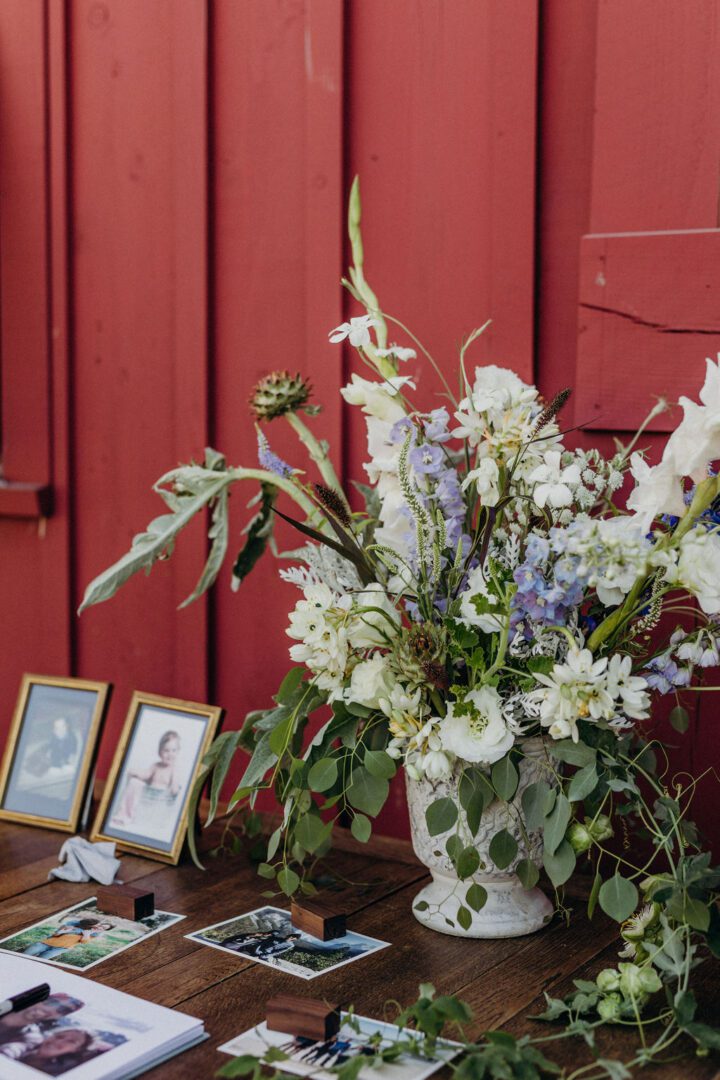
(72, 932)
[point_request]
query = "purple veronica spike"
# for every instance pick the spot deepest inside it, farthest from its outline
(271, 461)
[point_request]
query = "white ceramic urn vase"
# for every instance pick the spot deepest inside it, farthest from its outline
(510, 910)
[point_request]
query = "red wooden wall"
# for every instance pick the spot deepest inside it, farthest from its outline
(173, 178)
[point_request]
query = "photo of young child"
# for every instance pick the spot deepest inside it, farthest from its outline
(82, 936)
(155, 777)
(154, 787)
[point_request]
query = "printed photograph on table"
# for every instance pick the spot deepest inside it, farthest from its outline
(359, 1036)
(145, 802)
(267, 936)
(84, 1029)
(49, 759)
(82, 936)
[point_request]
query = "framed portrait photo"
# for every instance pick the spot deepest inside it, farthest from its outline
(48, 764)
(145, 802)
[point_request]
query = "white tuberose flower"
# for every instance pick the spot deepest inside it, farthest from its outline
(358, 330)
(475, 729)
(554, 483)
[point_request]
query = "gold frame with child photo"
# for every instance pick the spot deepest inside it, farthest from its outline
(29, 712)
(157, 790)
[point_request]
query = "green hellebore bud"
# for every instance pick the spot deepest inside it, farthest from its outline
(609, 1007)
(579, 837)
(608, 979)
(600, 829)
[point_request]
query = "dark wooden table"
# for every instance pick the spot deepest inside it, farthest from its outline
(502, 981)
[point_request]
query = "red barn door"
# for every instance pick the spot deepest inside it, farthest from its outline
(629, 301)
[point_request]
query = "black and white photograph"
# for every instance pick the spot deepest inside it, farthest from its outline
(51, 749)
(145, 803)
(268, 936)
(359, 1036)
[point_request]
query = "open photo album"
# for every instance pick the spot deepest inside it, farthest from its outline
(84, 1030)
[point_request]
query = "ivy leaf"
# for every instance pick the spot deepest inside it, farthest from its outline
(441, 816)
(505, 778)
(503, 848)
(533, 804)
(323, 774)
(560, 865)
(618, 897)
(361, 828)
(528, 873)
(367, 792)
(556, 824)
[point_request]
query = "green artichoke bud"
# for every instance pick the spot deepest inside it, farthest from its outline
(418, 656)
(279, 393)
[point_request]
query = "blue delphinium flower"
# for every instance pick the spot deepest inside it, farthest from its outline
(426, 459)
(544, 595)
(270, 461)
(436, 426)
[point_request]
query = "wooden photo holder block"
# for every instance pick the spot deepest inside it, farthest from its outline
(308, 1017)
(317, 920)
(125, 901)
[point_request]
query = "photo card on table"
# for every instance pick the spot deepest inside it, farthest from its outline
(48, 765)
(358, 1036)
(145, 803)
(267, 936)
(82, 936)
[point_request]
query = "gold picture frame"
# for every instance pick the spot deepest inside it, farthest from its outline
(38, 758)
(164, 729)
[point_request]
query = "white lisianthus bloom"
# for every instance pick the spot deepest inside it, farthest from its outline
(371, 680)
(357, 330)
(474, 729)
(629, 691)
(375, 620)
(499, 389)
(698, 568)
(397, 353)
(658, 489)
(436, 765)
(575, 690)
(554, 484)
(377, 398)
(478, 604)
(486, 480)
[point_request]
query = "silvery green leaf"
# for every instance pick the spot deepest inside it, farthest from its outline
(218, 534)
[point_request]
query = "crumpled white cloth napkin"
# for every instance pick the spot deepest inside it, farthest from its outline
(80, 861)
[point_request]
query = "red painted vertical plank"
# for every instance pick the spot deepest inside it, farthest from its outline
(34, 580)
(139, 205)
(277, 115)
(23, 252)
(442, 132)
(656, 154)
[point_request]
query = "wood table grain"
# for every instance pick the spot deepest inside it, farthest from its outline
(503, 981)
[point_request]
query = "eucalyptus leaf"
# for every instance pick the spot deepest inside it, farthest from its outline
(505, 778)
(560, 865)
(583, 782)
(528, 873)
(618, 897)
(380, 764)
(476, 897)
(556, 824)
(593, 897)
(367, 792)
(361, 828)
(323, 774)
(533, 803)
(441, 816)
(503, 849)
(573, 753)
(312, 832)
(680, 719)
(464, 917)
(288, 880)
(467, 863)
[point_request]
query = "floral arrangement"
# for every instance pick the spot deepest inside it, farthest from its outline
(491, 592)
